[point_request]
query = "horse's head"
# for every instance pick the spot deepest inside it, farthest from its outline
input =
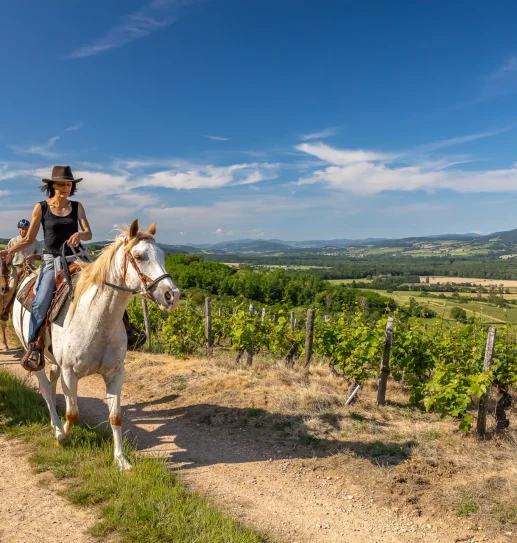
(4, 283)
(144, 268)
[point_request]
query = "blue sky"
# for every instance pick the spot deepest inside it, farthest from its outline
(225, 119)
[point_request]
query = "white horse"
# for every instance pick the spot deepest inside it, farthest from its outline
(89, 336)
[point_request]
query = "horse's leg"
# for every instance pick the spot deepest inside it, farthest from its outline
(3, 326)
(69, 383)
(113, 389)
(46, 392)
(55, 372)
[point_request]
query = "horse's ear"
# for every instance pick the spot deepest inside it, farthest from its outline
(133, 229)
(152, 229)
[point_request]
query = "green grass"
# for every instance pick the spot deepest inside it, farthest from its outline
(146, 505)
(467, 503)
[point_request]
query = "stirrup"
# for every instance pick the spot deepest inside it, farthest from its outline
(33, 359)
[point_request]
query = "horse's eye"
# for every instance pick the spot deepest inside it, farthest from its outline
(138, 257)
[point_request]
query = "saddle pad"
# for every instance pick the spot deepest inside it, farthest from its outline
(26, 294)
(60, 297)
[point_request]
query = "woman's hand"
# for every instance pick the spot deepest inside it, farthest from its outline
(74, 240)
(4, 254)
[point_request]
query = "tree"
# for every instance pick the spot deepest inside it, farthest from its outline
(459, 314)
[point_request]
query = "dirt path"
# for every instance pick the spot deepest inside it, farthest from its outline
(287, 493)
(30, 508)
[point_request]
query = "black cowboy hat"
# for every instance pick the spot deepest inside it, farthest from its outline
(60, 174)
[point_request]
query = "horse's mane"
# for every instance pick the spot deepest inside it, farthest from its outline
(94, 274)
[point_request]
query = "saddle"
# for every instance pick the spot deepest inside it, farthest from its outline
(27, 294)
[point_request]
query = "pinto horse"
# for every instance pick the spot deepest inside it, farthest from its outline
(89, 337)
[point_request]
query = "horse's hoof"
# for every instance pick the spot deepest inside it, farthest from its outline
(123, 463)
(61, 439)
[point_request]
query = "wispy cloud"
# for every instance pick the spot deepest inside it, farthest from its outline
(326, 133)
(153, 16)
(509, 66)
(215, 138)
(341, 156)
(500, 82)
(462, 139)
(46, 149)
(74, 127)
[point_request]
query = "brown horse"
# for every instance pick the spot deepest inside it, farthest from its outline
(4, 297)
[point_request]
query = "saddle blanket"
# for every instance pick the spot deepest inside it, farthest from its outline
(27, 294)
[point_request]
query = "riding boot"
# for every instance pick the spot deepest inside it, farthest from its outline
(135, 337)
(34, 358)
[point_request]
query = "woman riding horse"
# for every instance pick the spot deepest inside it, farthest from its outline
(60, 218)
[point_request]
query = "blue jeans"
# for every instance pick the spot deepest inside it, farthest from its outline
(44, 294)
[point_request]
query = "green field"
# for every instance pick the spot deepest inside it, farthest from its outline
(347, 281)
(486, 312)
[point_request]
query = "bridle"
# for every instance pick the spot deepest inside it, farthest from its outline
(147, 285)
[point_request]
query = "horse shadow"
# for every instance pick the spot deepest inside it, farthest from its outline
(207, 434)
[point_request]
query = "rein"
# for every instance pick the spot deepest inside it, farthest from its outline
(147, 284)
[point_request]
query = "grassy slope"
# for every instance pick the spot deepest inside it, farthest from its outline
(486, 312)
(165, 510)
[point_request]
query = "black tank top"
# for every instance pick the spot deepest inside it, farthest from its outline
(57, 230)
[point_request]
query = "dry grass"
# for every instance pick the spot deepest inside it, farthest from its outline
(409, 460)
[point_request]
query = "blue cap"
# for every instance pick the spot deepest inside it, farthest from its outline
(24, 223)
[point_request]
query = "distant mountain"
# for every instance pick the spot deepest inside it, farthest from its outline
(171, 249)
(248, 246)
(508, 236)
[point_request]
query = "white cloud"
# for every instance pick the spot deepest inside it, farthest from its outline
(219, 232)
(368, 176)
(326, 133)
(215, 138)
(341, 156)
(73, 128)
(209, 177)
(154, 16)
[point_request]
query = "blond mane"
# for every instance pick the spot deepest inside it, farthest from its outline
(95, 274)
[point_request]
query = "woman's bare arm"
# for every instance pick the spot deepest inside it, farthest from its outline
(86, 233)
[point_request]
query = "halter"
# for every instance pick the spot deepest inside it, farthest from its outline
(147, 284)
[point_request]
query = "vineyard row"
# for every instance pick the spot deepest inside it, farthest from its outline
(448, 369)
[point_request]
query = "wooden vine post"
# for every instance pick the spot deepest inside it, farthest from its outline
(483, 401)
(309, 337)
(292, 320)
(208, 327)
(250, 352)
(263, 316)
(385, 363)
(147, 322)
